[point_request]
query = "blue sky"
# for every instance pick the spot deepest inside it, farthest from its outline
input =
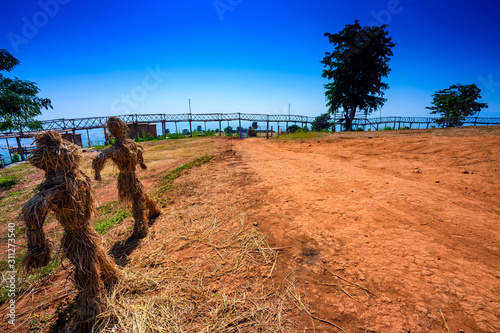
(98, 58)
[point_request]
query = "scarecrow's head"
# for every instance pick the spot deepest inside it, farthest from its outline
(117, 127)
(53, 153)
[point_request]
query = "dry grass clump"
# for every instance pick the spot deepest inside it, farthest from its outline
(201, 273)
(66, 191)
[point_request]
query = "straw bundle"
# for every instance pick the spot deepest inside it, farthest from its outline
(126, 154)
(66, 191)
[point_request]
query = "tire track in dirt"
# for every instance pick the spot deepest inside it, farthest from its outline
(423, 247)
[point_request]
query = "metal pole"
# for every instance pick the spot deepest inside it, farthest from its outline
(239, 120)
(267, 130)
(286, 129)
(220, 128)
(88, 137)
(105, 136)
(20, 148)
(8, 148)
(190, 129)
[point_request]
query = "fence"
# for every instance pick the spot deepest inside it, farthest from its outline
(79, 124)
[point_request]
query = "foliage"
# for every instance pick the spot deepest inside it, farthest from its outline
(293, 128)
(255, 125)
(19, 103)
(321, 122)
(457, 101)
(16, 158)
(251, 132)
(356, 66)
(185, 132)
(229, 130)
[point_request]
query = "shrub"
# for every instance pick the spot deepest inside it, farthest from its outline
(16, 158)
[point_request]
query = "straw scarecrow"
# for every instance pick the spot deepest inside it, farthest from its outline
(127, 154)
(66, 191)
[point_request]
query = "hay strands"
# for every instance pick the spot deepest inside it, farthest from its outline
(352, 283)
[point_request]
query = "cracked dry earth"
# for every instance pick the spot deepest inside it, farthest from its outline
(387, 232)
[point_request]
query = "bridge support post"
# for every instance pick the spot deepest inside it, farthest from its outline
(88, 137)
(220, 128)
(267, 130)
(163, 129)
(20, 148)
(105, 136)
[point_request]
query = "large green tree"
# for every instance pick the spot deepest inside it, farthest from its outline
(19, 103)
(356, 66)
(458, 101)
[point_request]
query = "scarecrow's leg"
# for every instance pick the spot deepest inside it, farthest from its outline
(80, 249)
(110, 274)
(34, 213)
(151, 206)
(140, 226)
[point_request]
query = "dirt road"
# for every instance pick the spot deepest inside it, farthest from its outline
(411, 222)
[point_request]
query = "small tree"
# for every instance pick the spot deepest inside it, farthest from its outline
(185, 132)
(322, 122)
(251, 132)
(255, 125)
(458, 101)
(357, 66)
(293, 128)
(199, 128)
(19, 103)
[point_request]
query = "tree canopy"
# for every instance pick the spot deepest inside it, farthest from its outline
(19, 103)
(356, 66)
(457, 101)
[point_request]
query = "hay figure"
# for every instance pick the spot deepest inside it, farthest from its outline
(127, 154)
(66, 191)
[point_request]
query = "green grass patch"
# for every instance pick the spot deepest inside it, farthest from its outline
(110, 215)
(299, 135)
(12, 176)
(7, 181)
(168, 180)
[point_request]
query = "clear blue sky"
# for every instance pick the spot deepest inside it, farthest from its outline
(95, 58)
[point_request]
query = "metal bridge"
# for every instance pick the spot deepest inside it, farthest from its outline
(76, 124)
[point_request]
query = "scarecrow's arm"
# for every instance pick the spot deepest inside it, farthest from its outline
(99, 162)
(140, 158)
(34, 213)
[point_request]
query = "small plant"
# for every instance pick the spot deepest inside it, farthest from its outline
(16, 158)
(387, 128)
(110, 215)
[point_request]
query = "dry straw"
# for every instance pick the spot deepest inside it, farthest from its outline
(126, 154)
(66, 191)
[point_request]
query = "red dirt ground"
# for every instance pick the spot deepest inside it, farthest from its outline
(414, 218)
(395, 231)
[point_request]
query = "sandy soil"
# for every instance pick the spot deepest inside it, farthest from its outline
(394, 231)
(413, 218)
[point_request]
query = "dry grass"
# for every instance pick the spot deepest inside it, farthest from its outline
(204, 270)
